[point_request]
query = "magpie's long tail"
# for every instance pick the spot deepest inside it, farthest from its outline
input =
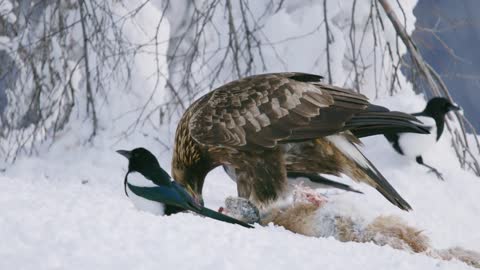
(170, 197)
(221, 217)
(379, 120)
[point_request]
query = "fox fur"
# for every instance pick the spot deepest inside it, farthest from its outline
(311, 217)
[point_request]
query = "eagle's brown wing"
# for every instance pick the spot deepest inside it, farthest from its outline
(261, 110)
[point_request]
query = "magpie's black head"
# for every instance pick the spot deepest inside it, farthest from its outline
(439, 106)
(140, 160)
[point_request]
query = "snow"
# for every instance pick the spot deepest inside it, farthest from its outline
(50, 220)
(4, 42)
(294, 39)
(66, 208)
(6, 8)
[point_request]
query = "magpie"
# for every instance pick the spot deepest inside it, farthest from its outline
(415, 144)
(152, 189)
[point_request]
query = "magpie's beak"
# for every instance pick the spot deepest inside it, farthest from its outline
(454, 107)
(124, 153)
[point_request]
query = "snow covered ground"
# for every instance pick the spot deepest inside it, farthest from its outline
(66, 210)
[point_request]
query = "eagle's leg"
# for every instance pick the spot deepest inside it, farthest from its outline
(261, 185)
(262, 179)
(244, 187)
(419, 160)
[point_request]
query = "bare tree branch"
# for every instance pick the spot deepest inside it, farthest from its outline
(328, 41)
(438, 87)
(90, 98)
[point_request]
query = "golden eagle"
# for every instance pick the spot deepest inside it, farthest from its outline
(268, 125)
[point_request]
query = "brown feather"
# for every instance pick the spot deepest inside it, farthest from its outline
(266, 100)
(248, 124)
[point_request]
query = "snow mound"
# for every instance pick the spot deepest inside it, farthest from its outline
(64, 210)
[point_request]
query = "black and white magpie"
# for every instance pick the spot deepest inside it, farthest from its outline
(152, 189)
(414, 144)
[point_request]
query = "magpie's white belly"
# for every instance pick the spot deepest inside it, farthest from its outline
(414, 144)
(141, 203)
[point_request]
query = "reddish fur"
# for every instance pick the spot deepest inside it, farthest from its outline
(383, 230)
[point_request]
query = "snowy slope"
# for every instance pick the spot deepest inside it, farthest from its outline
(50, 220)
(66, 208)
